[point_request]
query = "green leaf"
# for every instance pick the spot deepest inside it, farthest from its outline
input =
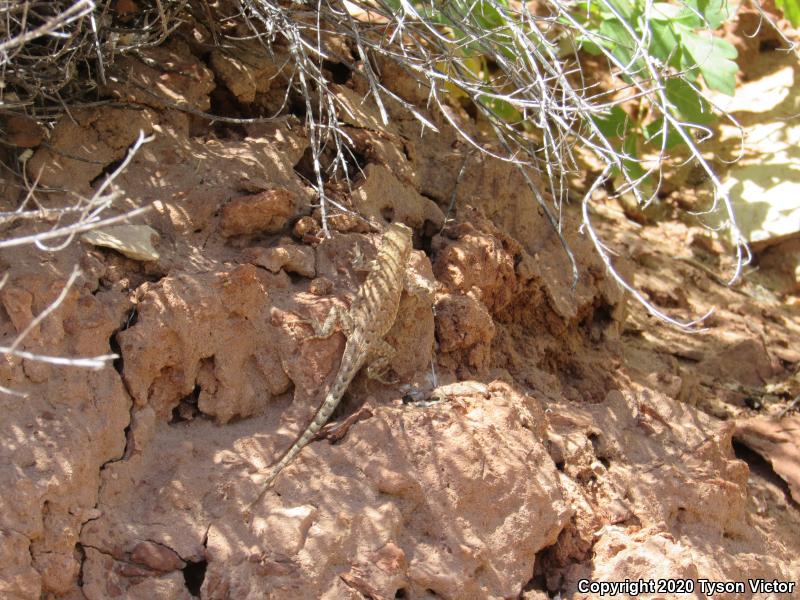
(632, 164)
(712, 56)
(671, 14)
(614, 124)
(791, 10)
(653, 135)
(688, 66)
(626, 8)
(664, 43)
(587, 10)
(713, 11)
(589, 46)
(503, 110)
(617, 39)
(663, 11)
(689, 105)
(484, 14)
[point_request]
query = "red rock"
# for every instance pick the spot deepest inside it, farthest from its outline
(23, 131)
(267, 212)
(156, 556)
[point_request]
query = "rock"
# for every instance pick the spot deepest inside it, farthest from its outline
(778, 442)
(779, 265)
(464, 329)
(321, 286)
(306, 228)
(168, 74)
(267, 212)
(246, 69)
(126, 10)
(481, 265)
(384, 197)
(643, 555)
(452, 504)
(83, 144)
(198, 330)
(18, 579)
(157, 557)
(744, 360)
(382, 570)
(23, 131)
(292, 258)
(346, 222)
(54, 442)
(134, 241)
(105, 578)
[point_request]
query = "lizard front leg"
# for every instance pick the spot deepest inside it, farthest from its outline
(336, 316)
(359, 262)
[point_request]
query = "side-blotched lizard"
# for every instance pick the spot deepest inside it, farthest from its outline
(369, 319)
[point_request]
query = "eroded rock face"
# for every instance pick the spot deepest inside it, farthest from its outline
(237, 339)
(18, 578)
(54, 441)
(209, 331)
(481, 265)
(645, 514)
(399, 504)
(465, 330)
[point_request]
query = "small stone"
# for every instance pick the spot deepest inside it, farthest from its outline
(126, 10)
(348, 223)
(23, 131)
(321, 286)
(291, 258)
(267, 212)
(134, 241)
(156, 557)
(305, 227)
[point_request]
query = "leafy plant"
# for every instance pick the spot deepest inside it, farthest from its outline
(669, 45)
(460, 21)
(662, 42)
(791, 10)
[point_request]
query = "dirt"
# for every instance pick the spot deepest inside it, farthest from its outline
(536, 434)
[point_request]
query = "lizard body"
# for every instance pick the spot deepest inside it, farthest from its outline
(369, 319)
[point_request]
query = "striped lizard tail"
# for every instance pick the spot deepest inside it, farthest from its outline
(323, 414)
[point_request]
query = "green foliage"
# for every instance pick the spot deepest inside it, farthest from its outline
(791, 10)
(487, 27)
(646, 39)
(678, 36)
(666, 46)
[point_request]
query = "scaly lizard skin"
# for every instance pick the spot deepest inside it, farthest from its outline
(370, 317)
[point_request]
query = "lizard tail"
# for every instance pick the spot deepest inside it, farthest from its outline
(322, 416)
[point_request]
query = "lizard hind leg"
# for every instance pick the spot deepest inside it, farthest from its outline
(378, 365)
(418, 286)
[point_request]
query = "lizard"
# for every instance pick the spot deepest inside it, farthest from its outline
(370, 317)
